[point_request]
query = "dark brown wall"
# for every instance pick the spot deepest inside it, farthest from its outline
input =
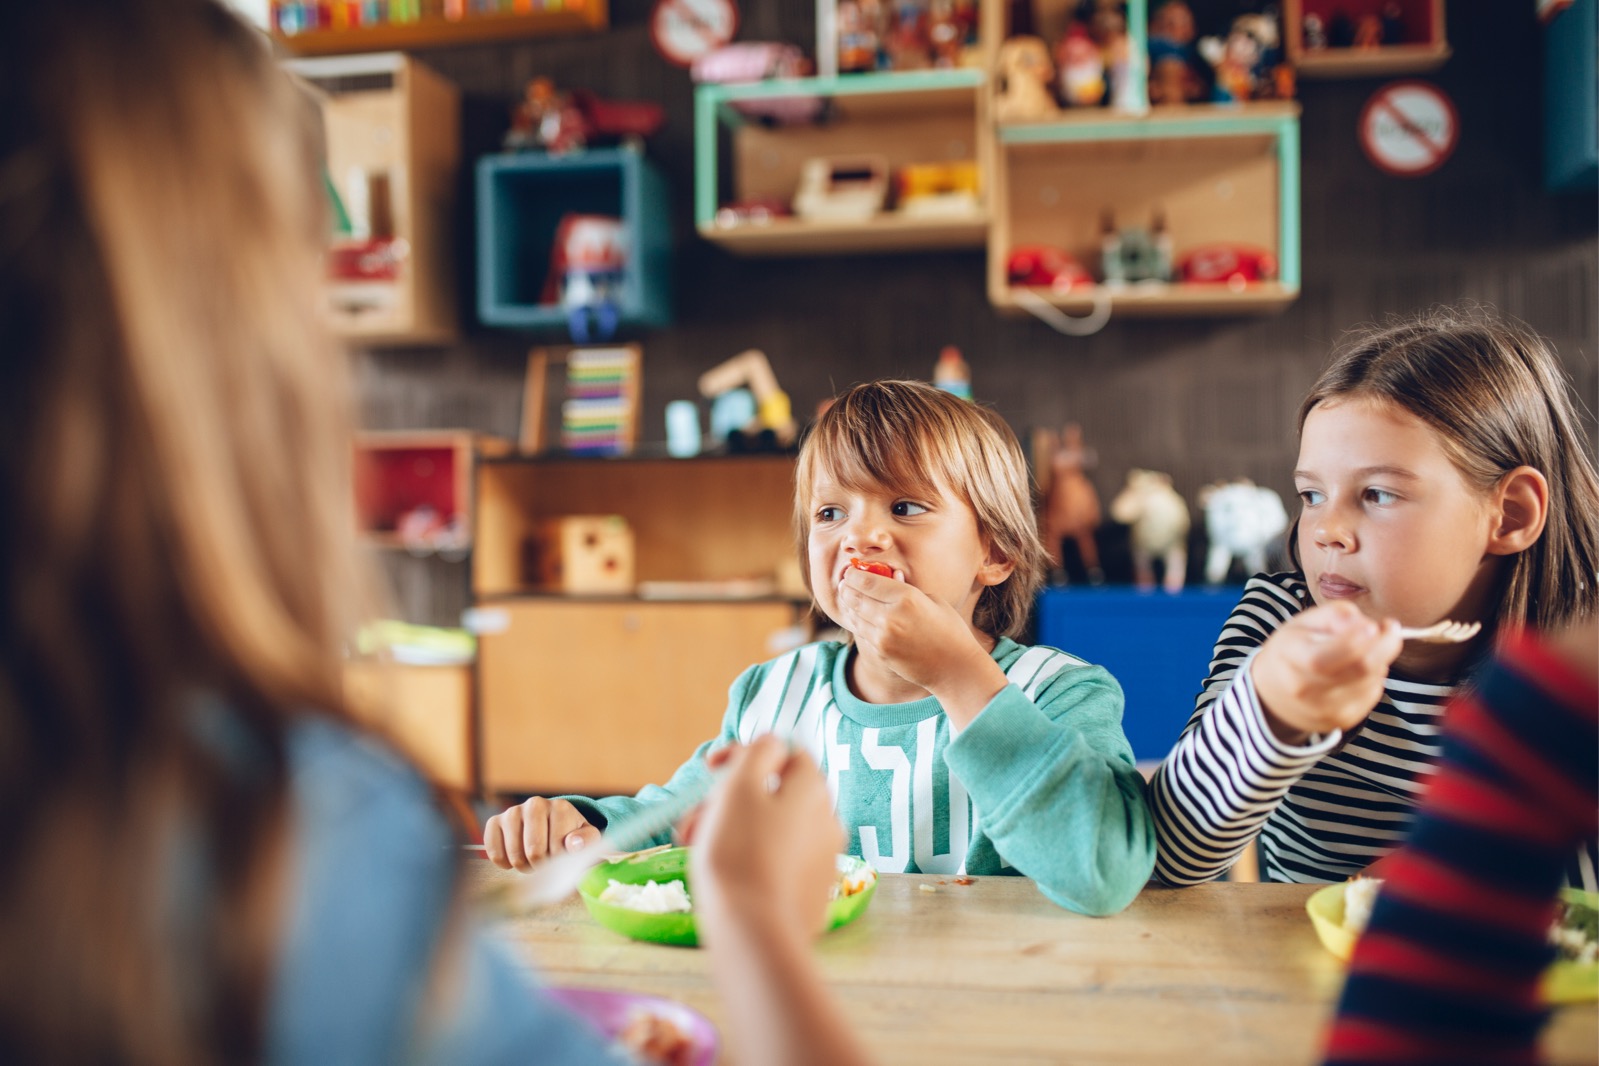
(1201, 399)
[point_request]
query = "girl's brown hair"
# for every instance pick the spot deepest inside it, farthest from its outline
(174, 531)
(910, 437)
(1496, 395)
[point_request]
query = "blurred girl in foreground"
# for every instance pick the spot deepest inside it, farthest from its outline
(203, 862)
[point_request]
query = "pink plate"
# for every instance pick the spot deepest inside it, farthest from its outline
(610, 1011)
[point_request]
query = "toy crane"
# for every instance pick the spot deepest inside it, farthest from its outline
(773, 412)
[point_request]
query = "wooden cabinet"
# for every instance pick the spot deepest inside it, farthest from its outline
(603, 698)
(393, 141)
(426, 711)
(606, 693)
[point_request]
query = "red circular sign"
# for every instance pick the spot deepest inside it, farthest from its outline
(1408, 128)
(684, 30)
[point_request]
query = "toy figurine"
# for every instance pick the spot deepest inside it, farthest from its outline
(1249, 64)
(1368, 31)
(1242, 519)
(858, 39)
(909, 44)
(1315, 32)
(1159, 520)
(1082, 68)
(945, 33)
(1024, 75)
(588, 258)
(1133, 255)
(1071, 505)
(1173, 74)
(544, 118)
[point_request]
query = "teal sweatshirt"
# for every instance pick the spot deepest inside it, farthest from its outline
(1041, 783)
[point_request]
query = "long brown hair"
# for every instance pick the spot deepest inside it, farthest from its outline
(1495, 394)
(173, 517)
(909, 435)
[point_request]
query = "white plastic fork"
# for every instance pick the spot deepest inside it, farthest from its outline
(1445, 632)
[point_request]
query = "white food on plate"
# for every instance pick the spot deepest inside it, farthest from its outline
(667, 897)
(1360, 895)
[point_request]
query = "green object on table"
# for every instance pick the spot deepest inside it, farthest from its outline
(671, 864)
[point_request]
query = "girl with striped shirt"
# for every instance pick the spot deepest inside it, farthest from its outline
(1443, 474)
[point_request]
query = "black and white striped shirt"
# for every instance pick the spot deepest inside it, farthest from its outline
(1323, 810)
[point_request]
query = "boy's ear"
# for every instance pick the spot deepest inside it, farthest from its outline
(995, 569)
(1521, 509)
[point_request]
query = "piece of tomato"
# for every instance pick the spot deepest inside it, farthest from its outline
(882, 569)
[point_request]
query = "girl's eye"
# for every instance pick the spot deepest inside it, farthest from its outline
(905, 508)
(1380, 497)
(828, 514)
(1311, 497)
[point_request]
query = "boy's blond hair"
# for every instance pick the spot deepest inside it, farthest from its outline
(911, 437)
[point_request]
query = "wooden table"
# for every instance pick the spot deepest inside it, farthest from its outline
(992, 972)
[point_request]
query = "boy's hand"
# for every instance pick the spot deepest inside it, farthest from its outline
(533, 830)
(921, 639)
(764, 857)
(1323, 670)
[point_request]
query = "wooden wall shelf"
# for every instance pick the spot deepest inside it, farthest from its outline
(905, 117)
(436, 31)
(1427, 51)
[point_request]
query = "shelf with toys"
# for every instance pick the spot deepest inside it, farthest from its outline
(600, 598)
(413, 487)
(866, 162)
(337, 27)
(392, 130)
(1365, 38)
(1189, 210)
(1106, 205)
(579, 240)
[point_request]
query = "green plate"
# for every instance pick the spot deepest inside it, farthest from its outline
(672, 865)
(1563, 982)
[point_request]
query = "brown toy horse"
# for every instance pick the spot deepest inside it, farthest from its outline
(1071, 505)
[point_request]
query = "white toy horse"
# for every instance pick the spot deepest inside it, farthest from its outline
(1159, 519)
(1242, 519)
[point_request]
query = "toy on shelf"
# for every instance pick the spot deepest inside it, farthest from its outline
(1159, 520)
(587, 261)
(1174, 75)
(1132, 255)
(769, 425)
(1040, 266)
(938, 190)
(1107, 25)
(1249, 63)
(851, 189)
(1071, 508)
(860, 25)
(1082, 68)
(952, 374)
(1233, 265)
(1024, 72)
(752, 61)
(560, 122)
(582, 554)
(757, 211)
(1242, 519)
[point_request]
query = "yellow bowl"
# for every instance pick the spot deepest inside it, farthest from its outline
(1563, 982)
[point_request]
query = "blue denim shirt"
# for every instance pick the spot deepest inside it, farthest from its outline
(371, 894)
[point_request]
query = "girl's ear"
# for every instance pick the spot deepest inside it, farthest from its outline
(1521, 509)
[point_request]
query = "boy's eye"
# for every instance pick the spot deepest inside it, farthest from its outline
(828, 514)
(1311, 497)
(905, 508)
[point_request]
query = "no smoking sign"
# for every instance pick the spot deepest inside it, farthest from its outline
(1409, 128)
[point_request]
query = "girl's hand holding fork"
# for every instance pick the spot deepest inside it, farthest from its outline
(1323, 670)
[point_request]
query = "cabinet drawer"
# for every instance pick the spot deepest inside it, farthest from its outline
(602, 698)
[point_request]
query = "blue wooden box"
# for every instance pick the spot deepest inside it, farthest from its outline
(521, 199)
(1156, 644)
